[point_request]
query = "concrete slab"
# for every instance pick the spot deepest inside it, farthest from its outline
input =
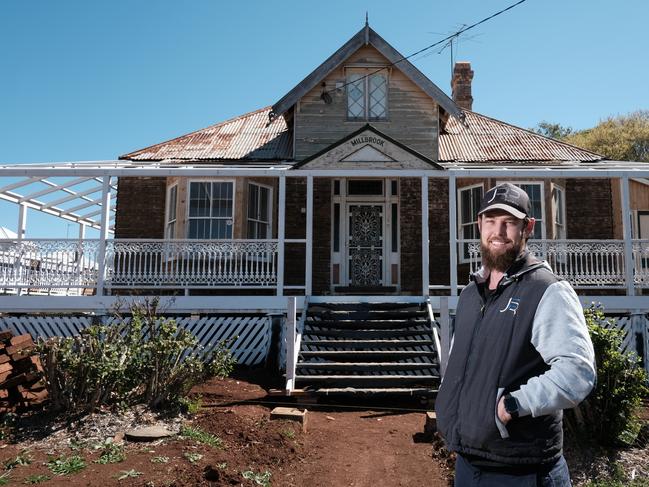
(431, 423)
(291, 414)
(148, 433)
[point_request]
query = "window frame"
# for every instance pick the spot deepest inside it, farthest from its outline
(188, 206)
(168, 207)
(269, 223)
(462, 258)
(367, 73)
(543, 218)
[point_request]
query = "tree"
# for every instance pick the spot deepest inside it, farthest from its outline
(620, 138)
(552, 130)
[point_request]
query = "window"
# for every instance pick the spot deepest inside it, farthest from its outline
(172, 198)
(559, 212)
(367, 95)
(469, 204)
(535, 192)
(365, 187)
(210, 209)
(259, 205)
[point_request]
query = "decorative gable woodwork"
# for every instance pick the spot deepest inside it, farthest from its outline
(368, 148)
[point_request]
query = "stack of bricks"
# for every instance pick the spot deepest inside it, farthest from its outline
(21, 384)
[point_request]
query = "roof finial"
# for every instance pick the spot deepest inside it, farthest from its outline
(367, 29)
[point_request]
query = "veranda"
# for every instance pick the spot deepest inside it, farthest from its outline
(197, 276)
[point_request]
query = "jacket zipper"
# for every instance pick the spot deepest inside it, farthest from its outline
(483, 308)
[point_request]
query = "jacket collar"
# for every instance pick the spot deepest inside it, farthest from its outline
(523, 264)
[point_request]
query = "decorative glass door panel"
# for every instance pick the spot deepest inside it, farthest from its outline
(365, 245)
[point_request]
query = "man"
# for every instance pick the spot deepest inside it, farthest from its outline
(521, 354)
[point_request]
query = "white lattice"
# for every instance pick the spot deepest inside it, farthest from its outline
(251, 334)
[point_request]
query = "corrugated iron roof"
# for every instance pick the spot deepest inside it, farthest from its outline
(248, 137)
(484, 139)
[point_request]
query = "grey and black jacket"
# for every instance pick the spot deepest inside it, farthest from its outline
(527, 338)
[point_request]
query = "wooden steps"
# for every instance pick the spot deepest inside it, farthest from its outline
(367, 348)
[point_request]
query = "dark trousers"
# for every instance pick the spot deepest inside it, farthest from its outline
(467, 475)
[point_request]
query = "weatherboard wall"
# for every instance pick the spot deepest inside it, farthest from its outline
(412, 114)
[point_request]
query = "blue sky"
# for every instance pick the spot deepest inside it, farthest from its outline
(90, 80)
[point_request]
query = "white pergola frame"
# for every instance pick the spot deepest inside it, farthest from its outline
(106, 172)
(65, 195)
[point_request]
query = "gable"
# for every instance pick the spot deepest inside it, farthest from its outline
(366, 36)
(367, 148)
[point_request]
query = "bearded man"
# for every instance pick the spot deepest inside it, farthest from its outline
(520, 354)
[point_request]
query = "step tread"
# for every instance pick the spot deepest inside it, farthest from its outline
(364, 333)
(368, 342)
(366, 377)
(368, 352)
(361, 390)
(380, 365)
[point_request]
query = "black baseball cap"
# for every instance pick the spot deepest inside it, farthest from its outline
(509, 198)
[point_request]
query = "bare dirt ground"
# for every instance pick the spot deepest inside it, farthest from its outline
(346, 443)
(343, 445)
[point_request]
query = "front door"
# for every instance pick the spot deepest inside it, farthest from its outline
(365, 249)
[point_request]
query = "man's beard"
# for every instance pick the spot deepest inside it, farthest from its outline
(500, 261)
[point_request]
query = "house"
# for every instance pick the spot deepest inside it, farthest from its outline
(357, 192)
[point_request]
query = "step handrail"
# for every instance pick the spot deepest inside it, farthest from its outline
(294, 330)
(438, 346)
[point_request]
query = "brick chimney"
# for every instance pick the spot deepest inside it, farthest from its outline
(461, 85)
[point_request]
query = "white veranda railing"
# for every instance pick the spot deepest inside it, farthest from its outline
(73, 265)
(32, 264)
(39, 264)
(583, 263)
(191, 263)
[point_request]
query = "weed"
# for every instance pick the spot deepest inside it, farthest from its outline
(288, 434)
(193, 457)
(5, 477)
(160, 459)
(22, 458)
(201, 436)
(129, 474)
(36, 479)
(221, 466)
(66, 465)
(192, 405)
(76, 445)
(261, 478)
(111, 453)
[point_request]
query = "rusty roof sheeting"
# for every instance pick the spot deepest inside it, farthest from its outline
(484, 139)
(248, 137)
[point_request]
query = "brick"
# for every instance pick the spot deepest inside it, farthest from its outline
(34, 396)
(36, 362)
(6, 367)
(26, 338)
(4, 358)
(19, 380)
(21, 347)
(140, 207)
(4, 376)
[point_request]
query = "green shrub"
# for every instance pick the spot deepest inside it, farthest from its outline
(609, 414)
(145, 359)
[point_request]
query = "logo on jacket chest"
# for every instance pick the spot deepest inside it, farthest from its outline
(512, 305)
